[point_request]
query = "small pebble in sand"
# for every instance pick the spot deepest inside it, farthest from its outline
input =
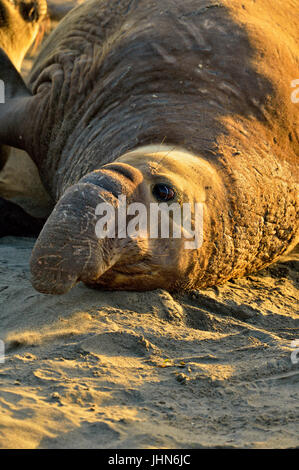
(182, 378)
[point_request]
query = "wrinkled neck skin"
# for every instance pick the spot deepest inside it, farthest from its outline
(124, 74)
(19, 25)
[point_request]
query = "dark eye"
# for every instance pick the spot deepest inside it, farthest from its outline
(163, 192)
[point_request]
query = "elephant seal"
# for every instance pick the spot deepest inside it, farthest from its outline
(185, 102)
(20, 23)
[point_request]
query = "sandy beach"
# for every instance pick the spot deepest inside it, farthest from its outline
(95, 369)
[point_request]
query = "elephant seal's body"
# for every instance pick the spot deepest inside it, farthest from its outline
(209, 85)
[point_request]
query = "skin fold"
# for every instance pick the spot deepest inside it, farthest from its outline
(19, 25)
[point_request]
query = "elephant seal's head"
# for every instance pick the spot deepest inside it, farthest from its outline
(111, 230)
(20, 21)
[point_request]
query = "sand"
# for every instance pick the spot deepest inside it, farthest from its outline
(115, 370)
(95, 369)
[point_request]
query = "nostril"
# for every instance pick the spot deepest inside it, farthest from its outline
(29, 11)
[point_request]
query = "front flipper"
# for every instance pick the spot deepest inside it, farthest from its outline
(14, 101)
(15, 221)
